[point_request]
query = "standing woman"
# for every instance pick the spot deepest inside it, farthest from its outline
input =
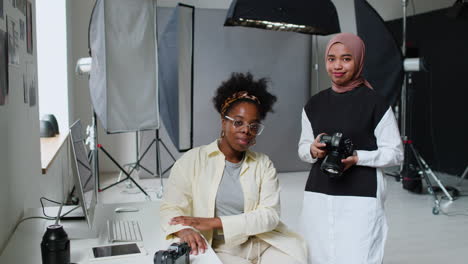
(227, 194)
(343, 219)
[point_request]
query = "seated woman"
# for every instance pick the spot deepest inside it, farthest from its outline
(227, 194)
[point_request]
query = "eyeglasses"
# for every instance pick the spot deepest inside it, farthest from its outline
(254, 128)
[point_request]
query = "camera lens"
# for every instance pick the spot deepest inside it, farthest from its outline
(55, 246)
(332, 165)
(331, 170)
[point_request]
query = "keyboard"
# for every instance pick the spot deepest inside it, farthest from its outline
(123, 231)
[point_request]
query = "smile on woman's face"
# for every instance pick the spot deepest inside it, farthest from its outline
(341, 66)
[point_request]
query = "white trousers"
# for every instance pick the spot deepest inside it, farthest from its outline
(343, 229)
(253, 251)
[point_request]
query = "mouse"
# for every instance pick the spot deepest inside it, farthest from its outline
(126, 209)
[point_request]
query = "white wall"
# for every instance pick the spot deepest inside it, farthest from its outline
(19, 140)
(52, 61)
(22, 183)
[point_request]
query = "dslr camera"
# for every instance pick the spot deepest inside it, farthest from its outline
(338, 148)
(177, 253)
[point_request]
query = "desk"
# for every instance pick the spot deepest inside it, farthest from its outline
(50, 148)
(24, 246)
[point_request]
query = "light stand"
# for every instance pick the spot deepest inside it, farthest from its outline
(159, 172)
(423, 169)
(137, 164)
(93, 157)
(83, 67)
(91, 140)
(463, 176)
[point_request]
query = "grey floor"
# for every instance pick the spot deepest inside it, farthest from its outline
(415, 234)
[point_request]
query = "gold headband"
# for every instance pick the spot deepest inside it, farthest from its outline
(235, 97)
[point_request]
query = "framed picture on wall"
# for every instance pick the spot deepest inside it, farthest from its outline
(30, 85)
(13, 42)
(29, 28)
(32, 92)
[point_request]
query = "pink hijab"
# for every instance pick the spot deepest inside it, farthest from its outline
(358, 50)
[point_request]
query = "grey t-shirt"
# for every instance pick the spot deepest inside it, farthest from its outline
(230, 196)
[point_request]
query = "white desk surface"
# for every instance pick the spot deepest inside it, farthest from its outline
(24, 245)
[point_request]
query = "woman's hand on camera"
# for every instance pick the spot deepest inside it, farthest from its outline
(316, 148)
(350, 161)
(196, 242)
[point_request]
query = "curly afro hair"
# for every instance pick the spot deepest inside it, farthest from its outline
(245, 82)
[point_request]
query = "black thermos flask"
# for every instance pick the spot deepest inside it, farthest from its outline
(55, 246)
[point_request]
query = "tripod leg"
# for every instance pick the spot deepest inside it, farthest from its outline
(158, 166)
(170, 154)
(122, 170)
(428, 170)
(145, 169)
(463, 176)
(436, 208)
(143, 155)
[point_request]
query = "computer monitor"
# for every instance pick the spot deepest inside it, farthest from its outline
(85, 181)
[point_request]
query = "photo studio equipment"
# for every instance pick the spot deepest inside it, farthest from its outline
(177, 253)
(131, 87)
(175, 81)
(55, 244)
(383, 61)
(411, 155)
(463, 176)
(338, 148)
(123, 74)
(315, 17)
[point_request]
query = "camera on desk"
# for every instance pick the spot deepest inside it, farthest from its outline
(175, 254)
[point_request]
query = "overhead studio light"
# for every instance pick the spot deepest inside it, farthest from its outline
(317, 17)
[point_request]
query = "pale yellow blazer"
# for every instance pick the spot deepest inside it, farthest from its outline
(191, 191)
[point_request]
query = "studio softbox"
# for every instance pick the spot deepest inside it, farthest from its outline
(123, 78)
(318, 17)
(176, 76)
(383, 65)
